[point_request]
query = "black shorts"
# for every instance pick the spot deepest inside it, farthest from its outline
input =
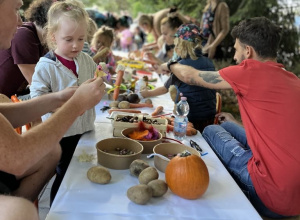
(8, 183)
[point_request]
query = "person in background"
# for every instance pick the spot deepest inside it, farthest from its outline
(139, 37)
(92, 28)
(215, 26)
(262, 154)
(63, 66)
(18, 62)
(169, 26)
(104, 38)
(28, 161)
(151, 23)
(202, 101)
(124, 34)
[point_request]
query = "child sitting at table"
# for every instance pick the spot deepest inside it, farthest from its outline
(202, 101)
(103, 38)
(65, 65)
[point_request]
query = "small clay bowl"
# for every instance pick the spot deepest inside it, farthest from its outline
(148, 145)
(110, 157)
(166, 149)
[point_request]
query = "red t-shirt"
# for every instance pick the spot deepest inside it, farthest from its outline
(269, 102)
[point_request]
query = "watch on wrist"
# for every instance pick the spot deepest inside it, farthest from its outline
(170, 63)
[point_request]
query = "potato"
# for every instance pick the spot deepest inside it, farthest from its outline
(114, 104)
(148, 101)
(139, 194)
(147, 175)
(124, 105)
(99, 174)
(137, 166)
(173, 93)
(4, 99)
(159, 187)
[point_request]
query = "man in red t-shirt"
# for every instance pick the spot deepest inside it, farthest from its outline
(263, 153)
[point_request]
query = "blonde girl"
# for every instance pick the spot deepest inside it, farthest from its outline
(104, 38)
(64, 66)
(202, 101)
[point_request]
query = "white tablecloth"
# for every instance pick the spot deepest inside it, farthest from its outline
(78, 198)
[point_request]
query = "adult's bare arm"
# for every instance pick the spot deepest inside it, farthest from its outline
(225, 27)
(192, 76)
(19, 152)
(27, 71)
(21, 113)
(155, 92)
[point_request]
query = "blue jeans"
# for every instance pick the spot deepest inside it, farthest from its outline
(229, 142)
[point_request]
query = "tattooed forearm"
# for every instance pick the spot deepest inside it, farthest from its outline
(207, 77)
(194, 82)
(210, 77)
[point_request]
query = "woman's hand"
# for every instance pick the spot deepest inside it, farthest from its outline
(211, 51)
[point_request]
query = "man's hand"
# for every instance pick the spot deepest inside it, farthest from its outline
(164, 69)
(90, 93)
(225, 116)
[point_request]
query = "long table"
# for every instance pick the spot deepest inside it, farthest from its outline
(78, 198)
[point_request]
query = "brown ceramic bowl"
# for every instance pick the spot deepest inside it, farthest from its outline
(169, 149)
(148, 145)
(109, 157)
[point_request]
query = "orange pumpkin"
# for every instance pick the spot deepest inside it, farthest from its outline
(187, 176)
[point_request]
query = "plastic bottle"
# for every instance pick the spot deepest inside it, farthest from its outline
(180, 123)
(140, 85)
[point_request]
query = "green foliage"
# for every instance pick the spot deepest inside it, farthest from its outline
(288, 53)
(26, 4)
(116, 6)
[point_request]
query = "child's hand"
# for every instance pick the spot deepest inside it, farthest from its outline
(148, 56)
(101, 55)
(144, 93)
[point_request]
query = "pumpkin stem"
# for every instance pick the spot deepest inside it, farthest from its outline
(185, 153)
